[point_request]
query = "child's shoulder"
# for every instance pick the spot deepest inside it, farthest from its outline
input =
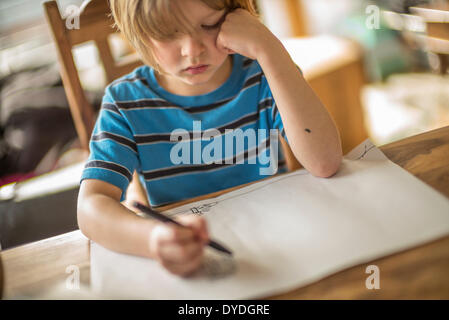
(130, 85)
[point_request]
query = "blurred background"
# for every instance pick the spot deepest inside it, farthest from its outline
(377, 65)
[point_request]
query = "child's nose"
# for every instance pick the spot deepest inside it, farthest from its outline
(192, 46)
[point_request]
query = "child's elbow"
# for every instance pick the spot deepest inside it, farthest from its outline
(86, 210)
(327, 169)
(83, 217)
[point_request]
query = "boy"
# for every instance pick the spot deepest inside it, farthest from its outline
(210, 62)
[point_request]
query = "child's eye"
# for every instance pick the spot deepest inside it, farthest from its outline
(215, 26)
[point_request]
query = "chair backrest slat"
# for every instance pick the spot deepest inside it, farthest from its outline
(95, 24)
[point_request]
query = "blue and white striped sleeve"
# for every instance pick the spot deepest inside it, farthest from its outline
(113, 150)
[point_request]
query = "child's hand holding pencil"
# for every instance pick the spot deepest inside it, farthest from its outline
(180, 249)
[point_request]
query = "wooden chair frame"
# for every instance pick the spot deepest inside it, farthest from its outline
(95, 24)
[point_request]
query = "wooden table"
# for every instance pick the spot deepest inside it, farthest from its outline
(418, 273)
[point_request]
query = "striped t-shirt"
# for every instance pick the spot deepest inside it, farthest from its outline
(185, 146)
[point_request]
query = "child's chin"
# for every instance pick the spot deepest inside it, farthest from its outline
(197, 80)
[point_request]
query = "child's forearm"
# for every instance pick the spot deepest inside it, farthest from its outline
(106, 221)
(103, 219)
(312, 134)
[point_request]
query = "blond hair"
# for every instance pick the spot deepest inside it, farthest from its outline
(141, 20)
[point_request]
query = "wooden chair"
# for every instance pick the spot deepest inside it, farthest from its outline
(95, 24)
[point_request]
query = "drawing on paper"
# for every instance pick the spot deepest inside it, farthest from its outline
(203, 208)
(365, 152)
(217, 265)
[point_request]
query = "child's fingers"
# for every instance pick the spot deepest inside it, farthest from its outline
(166, 233)
(180, 253)
(222, 48)
(198, 224)
(194, 230)
(186, 268)
(221, 45)
(226, 50)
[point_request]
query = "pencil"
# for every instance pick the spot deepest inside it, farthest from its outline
(161, 217)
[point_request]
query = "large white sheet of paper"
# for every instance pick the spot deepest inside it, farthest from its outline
(290, 231)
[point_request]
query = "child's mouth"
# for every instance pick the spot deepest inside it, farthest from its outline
(197, 69)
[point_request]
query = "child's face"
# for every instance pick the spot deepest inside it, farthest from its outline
(193, 60)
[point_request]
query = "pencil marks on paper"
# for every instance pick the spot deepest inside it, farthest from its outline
(367, 149)
(203, 208)
(217, 265)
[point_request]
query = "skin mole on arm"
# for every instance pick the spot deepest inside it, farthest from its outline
(308, 130)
